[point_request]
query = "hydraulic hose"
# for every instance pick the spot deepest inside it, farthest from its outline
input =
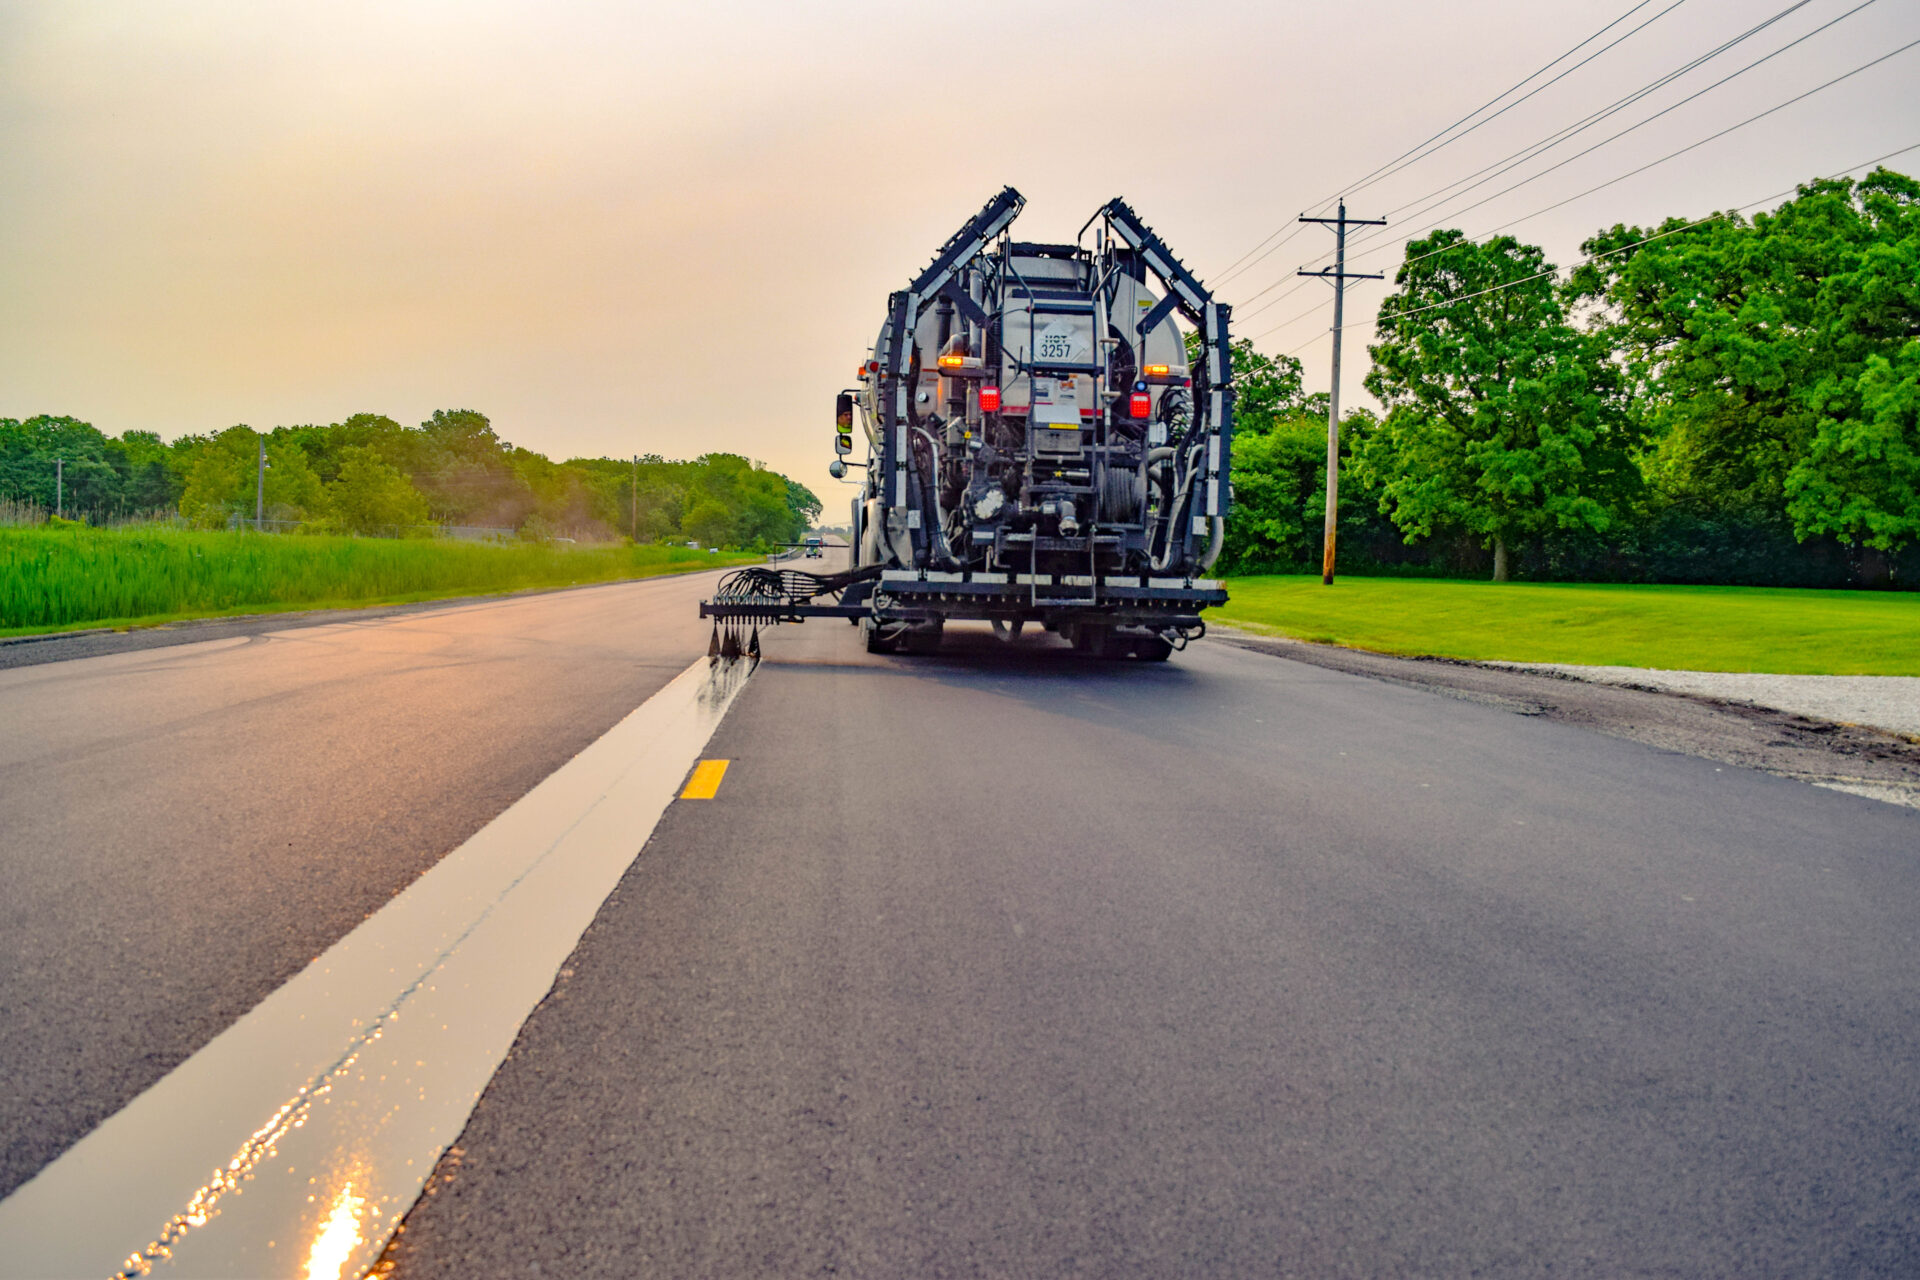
(1213, 546)
(1150, 478)
(1165, 561)
(930, 488)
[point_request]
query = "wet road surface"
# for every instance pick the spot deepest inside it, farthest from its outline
(1003, 962)
(185, 828)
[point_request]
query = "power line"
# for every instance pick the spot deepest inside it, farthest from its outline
(1692, 146)
(1723, 133)
(1561, 164)
(1284, 323)
(1671, 231)
(1263, 257)
(1318, 257)
(1233, 267)
(1542, 145)
(1620, 104)
(1371, 179)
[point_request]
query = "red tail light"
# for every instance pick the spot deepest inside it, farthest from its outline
(989, 399)
(1141, 404)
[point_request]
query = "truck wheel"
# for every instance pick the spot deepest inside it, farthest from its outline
(1092, 639)
(925, 639)
(881, 639)
(1152, 649)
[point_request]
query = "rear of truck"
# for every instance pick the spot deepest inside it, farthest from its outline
(1041, 451)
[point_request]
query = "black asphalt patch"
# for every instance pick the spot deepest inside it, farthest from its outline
(1004, 962)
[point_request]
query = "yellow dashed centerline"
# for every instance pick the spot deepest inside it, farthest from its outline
(705, 780)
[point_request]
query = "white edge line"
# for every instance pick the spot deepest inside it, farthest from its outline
(339, 1092)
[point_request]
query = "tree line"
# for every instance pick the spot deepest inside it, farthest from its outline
(371, 475)
(1716, 400)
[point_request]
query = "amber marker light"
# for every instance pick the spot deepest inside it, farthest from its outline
(1156, 371)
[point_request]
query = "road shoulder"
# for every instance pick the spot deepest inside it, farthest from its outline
(1845, 757)
(92, 642)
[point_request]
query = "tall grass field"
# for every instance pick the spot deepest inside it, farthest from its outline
(51, 579)
(1772, 629)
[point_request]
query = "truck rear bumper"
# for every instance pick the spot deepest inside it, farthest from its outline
(1124, 601)
(904, 595)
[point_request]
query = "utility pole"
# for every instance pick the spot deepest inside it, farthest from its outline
(59, 487)
(1339, 275)
(636, 497)
(260, 490)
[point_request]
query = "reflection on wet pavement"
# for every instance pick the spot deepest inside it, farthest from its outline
(321, 1113)
(338, 1238)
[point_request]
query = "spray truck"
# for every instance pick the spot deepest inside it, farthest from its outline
(1041, 449)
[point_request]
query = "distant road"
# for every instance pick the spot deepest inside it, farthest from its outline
(1007, 962)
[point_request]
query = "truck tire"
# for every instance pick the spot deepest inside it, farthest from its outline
(1092, 639)
(923, 639)
(880, 639)
(1152, 649)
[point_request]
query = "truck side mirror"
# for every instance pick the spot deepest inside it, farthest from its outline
(843, 424)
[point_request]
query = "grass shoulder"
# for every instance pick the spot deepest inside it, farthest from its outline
(66, 579)
(1770, 629)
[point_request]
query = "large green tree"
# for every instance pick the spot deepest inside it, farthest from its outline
(803, 503)
(1503, 420)
(98, 475)
(370, 495)
(223, 480)
(1770, 357)
(368, 473)
(1266, 389)
(1280, 489)
(1860, 478)
(327, 447)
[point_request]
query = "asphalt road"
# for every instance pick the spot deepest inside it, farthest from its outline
(1007, 963)
(1004, 962)
(183, 828)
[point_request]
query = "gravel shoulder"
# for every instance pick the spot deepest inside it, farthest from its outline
(1793, 731)
(1878, 702)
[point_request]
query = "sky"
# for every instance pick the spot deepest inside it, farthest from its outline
(636, 228)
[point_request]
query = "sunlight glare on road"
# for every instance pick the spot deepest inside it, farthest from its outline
(338, 1238)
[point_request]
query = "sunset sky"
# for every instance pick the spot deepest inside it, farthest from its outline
(620, 228)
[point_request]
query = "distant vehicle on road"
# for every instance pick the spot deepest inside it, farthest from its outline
(813, 548)
(1041, 450)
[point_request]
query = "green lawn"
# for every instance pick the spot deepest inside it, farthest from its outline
(1683, 628)
(59, 579)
